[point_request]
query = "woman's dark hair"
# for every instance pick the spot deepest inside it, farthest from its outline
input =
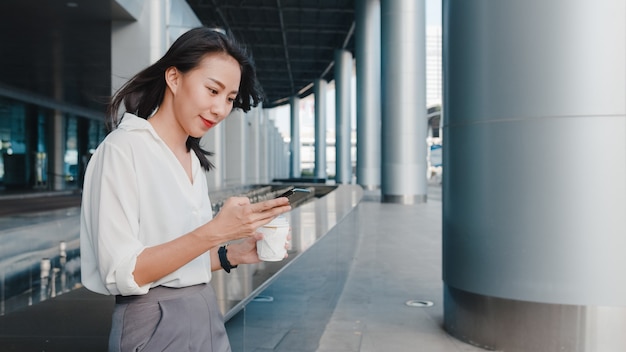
(143, 93)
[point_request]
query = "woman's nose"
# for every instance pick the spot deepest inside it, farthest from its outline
(219, 109)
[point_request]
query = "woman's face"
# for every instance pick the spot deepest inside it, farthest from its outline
(204, 96)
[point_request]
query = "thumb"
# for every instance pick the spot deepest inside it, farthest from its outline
(257, 236)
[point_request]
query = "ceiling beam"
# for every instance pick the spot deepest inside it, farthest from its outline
(285, 47)
(263, 28)
(294, 46)
(325, 10)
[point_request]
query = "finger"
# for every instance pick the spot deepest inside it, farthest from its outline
(262, 217)
(243, 200)
(270, 204)
(261, 221)
(236, 201)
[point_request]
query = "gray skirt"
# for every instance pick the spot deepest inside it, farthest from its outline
(169, 319)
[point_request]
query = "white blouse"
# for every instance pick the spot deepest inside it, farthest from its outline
(136, 195)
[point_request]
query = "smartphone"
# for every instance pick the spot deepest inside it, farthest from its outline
(296, 194)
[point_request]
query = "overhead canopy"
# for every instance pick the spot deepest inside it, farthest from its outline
(61, 49)
(292, 41)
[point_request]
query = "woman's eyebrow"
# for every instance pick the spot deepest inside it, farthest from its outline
(217, 82)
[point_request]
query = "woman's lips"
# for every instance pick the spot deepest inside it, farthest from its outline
(208, 123)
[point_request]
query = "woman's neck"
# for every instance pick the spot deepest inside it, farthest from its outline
(166, 126)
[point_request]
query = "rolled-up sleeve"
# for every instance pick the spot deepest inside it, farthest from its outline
(110, 222)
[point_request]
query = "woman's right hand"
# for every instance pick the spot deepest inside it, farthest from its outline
(238, 218)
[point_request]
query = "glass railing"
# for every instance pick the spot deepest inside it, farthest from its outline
(39, 257)
(40, 270)
(40, 254)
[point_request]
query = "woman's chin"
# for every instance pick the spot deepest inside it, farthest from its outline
(198, 132)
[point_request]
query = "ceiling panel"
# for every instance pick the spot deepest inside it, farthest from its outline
(292, 42)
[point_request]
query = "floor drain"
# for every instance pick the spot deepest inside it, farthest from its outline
(419, 303)
(263, 299)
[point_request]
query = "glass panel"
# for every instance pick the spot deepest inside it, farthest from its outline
(12, 144)
(96, 134)
(70, 160)
(41, 154)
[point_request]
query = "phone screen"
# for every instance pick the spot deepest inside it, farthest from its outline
(296, 194)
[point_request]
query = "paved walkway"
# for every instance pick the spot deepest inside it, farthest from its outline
(398, 259)
(348, 293)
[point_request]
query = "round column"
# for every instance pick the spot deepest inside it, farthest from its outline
(294, 147)
(404, 123)
(534, 186)
(343, 130)
(368, 111)
(320, 128)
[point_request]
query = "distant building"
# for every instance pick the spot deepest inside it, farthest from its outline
(433, 66)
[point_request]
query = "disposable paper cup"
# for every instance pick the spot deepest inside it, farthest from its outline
(272, 247)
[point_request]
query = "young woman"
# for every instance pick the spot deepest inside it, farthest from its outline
(147, 232)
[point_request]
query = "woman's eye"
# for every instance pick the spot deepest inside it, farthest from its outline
(231, 100)
(212, 91)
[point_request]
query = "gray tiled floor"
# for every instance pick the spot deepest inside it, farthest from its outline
(398, 259)
(348, 292)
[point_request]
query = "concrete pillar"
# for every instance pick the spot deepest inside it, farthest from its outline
(58, 138)
(214, 141)
(82, 148)
(282, 156)
(138, 41)
(280, 162)
(273, 132)
(368, 110)
(264, 146)
(57, 152)
(236, 148)
(404, 123)
(271, 148)
(534, 187)
(294, 148)
(319, 89)
(253, 127)
(343, 130)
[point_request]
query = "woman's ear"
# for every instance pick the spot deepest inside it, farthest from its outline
(172, 78)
